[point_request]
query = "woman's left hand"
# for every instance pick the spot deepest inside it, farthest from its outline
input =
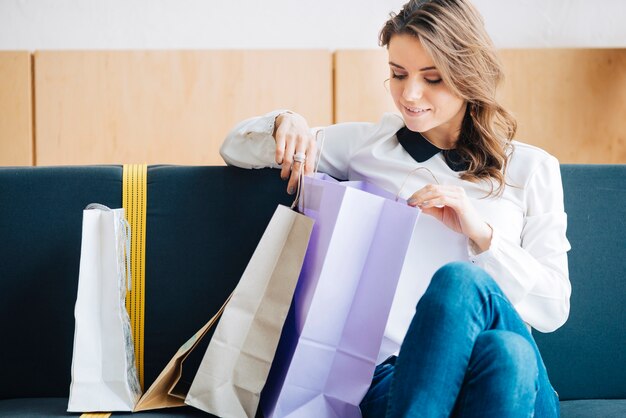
(450, 205)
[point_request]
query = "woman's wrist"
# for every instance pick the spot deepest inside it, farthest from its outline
(482, 240)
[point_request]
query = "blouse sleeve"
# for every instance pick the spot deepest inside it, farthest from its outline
(534, 275)
(251, 144)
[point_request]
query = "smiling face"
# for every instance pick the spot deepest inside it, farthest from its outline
(427, 105)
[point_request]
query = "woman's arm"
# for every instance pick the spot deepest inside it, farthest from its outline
(534, 275)
(251, 144)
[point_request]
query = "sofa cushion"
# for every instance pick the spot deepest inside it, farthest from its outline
(586, 358)
(40, 233)
(56, 407)
(594, 408)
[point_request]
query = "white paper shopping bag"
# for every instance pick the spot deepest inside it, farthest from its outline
(104, 376)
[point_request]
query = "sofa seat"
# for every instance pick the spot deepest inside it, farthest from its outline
(594, 408)
(57, 407)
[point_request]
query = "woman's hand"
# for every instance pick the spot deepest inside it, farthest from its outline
(293, 135)
(450, 205)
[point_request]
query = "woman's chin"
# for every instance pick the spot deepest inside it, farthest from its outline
(414, 126)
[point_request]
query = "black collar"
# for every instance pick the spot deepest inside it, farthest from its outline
(421, 149)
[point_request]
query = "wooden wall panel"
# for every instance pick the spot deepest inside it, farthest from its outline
(361, 93)
(571, 102)
(175, 107)
(16, 123)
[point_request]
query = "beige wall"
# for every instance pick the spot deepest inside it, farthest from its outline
(571, 102)
(97, 107)
(172, 107)
(16, 138)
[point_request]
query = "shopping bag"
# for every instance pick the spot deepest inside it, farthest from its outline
(356, 258)
(167, 391)
(236, 364)
(104, 375)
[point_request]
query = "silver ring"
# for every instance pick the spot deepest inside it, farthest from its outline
(299, 157)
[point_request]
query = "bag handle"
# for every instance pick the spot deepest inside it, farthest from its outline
(319, 153)
(409, 175)
(98, 206)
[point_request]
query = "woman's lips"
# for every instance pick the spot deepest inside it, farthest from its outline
(415, 111)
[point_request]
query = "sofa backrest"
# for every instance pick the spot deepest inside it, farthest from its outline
(586, 357)
(203, 224)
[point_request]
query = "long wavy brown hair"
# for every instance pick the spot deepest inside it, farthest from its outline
(453, 33)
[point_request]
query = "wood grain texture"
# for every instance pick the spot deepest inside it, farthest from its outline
(361, 89)
(570, 102)
(16, 123)
(176, 107)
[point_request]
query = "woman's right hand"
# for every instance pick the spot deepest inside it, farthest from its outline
(293, 135)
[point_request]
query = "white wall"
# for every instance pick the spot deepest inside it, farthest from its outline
(325, 24)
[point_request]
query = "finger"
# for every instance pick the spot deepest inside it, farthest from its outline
(311, 157)
(294, 178)
(292, 186)
(296, 167)
(280, 146)
(435, 212)
(453, 191)
(301, 148)
(424, 196)
(440, 201)
(434, 191)
(429, 191)
(452, 196)
(288, 157)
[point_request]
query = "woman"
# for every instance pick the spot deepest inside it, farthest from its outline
(466, 349)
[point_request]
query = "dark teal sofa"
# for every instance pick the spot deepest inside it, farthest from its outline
(203, 224)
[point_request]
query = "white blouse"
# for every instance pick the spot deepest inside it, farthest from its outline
(528, 252)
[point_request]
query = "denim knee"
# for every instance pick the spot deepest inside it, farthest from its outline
(509, 354)
(459, 281)
(463, 272)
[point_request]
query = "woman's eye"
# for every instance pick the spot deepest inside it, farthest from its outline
(428, 80)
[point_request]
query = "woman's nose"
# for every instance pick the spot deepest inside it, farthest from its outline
(412, 91)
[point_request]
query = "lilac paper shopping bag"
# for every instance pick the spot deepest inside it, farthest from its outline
(330, 343)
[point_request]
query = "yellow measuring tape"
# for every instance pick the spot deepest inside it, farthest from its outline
(134, 201)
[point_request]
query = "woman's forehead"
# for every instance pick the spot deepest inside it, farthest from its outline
(407, 51)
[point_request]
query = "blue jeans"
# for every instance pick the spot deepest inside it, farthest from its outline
(467, 353)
